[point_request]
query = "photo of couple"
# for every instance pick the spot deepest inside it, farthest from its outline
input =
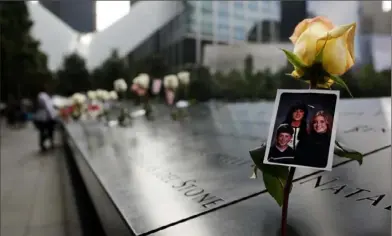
(302, 130)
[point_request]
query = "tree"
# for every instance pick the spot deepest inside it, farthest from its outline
(73, 76)
(110, 70)
(202, 86)
(23, 65)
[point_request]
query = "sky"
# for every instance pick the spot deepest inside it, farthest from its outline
(108, 12)
(386, 6)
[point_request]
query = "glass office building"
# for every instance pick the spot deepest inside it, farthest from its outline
(209, 22)
(229, 21)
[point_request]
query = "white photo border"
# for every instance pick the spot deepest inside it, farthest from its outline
(333, 132)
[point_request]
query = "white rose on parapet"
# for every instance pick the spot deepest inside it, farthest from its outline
(92, 95)
(113, 95)
(105, 95)
(78, 98)
(120, 85)
(184, 77)
(102, 94)
(143, 80)
(170, 82)
(98, 93)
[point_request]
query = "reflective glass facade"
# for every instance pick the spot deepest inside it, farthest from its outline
(229, 20)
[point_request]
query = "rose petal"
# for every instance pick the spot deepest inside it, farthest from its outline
(306, 45)
(303, 25)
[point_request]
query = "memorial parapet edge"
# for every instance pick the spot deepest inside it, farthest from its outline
(350, 200)
(158, 175)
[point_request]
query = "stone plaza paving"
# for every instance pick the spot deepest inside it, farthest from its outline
(31, 186)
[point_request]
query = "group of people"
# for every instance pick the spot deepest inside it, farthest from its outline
(300, 143)
(16, 112)
(42, 113)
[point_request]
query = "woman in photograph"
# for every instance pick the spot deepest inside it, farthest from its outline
(296, 118)
(313, 151)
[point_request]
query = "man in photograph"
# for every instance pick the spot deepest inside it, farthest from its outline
(281, 151)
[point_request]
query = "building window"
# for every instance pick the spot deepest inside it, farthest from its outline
(253, 5)
(223, 14)
(223, 4)
(207, 28)
(265, 6)
(223, 37)
(239, 33)
(239, 16)
(223, 8)
(223, 29)
(238, 5)
(207, 5)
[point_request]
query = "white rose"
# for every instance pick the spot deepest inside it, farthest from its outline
(105, 95)
(92, 95)
(120, 85)
(184, 77)
(170, 81)
(136, 80)
(78, 98)
(98, 93)
(102, 94)
(143, 80)
(113, 95)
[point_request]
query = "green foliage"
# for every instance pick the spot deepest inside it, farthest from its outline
(339, 81)
(23, 66)
(254, 85)
(236, 85)
(73, 76)
(202, 86)
(110, 70)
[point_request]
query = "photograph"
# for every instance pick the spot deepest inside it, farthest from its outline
(302, 130)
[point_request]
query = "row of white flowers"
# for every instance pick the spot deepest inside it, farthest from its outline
(100, 94)
(143, 81)
(173, 81)
(169, 81)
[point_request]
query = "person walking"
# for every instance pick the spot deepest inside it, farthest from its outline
(45, 118)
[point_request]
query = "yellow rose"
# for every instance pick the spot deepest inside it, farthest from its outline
(310, 36)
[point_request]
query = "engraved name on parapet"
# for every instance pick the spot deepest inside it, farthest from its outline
(188, 188)
(364, 129)
(359, 194)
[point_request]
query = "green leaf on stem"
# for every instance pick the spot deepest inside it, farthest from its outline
(294, 60)
(342, 151)
(340, 82)
(274, 176)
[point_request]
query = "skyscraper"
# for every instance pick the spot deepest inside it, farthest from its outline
(78, 15)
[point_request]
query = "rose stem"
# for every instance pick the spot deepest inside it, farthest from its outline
(289, 182)
(286, 193)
